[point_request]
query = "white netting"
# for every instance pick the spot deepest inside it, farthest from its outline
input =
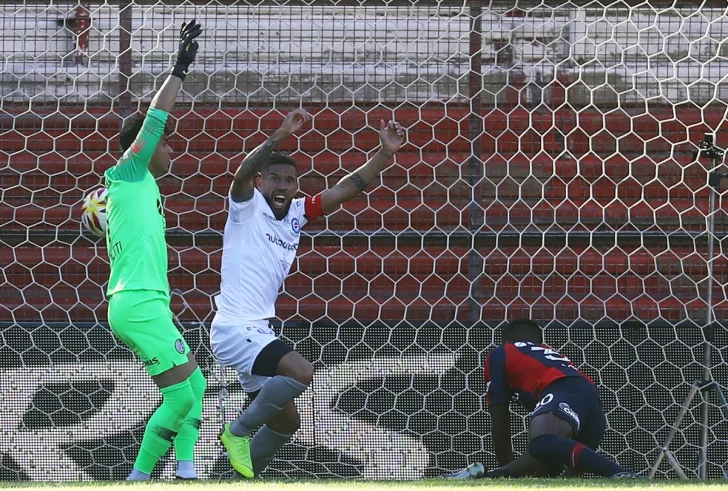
(548, 173)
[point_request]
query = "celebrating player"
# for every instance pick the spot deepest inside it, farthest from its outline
(138, 291)
(259, 245)
(567, 423)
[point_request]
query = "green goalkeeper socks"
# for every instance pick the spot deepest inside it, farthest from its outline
(164, 424)
(184, 444)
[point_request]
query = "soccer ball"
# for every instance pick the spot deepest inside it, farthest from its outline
(93, 215)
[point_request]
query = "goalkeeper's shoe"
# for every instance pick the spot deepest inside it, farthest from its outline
(476, 470)
(238, 449)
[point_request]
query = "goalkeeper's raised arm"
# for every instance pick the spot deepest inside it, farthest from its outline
(143, 138)
(186, 54)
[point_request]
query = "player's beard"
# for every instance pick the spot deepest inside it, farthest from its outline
(279, 211)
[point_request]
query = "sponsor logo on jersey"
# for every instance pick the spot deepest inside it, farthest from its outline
(295, 226)
(270, 217)
(274, 239)
(566, 409)
(179, 345)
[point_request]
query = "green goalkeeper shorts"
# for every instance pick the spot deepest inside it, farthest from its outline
(142, 320)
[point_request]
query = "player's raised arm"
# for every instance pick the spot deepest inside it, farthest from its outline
(242, 186)
(165, 98)
(391, 136)
(142, 140)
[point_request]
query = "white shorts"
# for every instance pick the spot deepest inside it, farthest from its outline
(237, 344)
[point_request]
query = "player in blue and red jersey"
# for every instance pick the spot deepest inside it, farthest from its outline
(567, 419)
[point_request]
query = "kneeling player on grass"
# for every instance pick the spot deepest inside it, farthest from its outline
(259, 245)
(138, 289)
(567, 422)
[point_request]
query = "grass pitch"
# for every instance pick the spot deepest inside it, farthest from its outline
(355, 485)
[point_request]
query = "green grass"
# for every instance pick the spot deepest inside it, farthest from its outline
(351, 485)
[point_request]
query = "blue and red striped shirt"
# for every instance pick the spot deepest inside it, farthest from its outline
(521, 371)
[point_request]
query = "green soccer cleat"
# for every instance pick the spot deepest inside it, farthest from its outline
(238, 449)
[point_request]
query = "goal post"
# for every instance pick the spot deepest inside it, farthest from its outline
(548, 173)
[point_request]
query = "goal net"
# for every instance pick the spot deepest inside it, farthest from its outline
(548, 173)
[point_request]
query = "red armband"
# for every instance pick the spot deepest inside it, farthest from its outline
(312, 207)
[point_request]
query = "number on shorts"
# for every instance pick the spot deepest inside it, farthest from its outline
(544, 400)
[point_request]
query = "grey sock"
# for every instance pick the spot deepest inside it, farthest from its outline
(275, 394)
(186, 469)
(264, 446)
(137, 475)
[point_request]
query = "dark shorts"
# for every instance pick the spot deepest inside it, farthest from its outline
(266, 363)
(576, 401)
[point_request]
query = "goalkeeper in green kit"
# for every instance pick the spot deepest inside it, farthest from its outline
(138, 291)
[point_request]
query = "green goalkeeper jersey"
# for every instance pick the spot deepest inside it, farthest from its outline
(135, 223)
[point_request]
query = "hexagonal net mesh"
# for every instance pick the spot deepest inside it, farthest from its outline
(548, 173)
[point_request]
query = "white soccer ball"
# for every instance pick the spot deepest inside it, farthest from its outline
(93, 215)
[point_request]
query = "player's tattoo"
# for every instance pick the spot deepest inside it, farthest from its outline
(242, 193)
(253, 162)
(360, 183)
